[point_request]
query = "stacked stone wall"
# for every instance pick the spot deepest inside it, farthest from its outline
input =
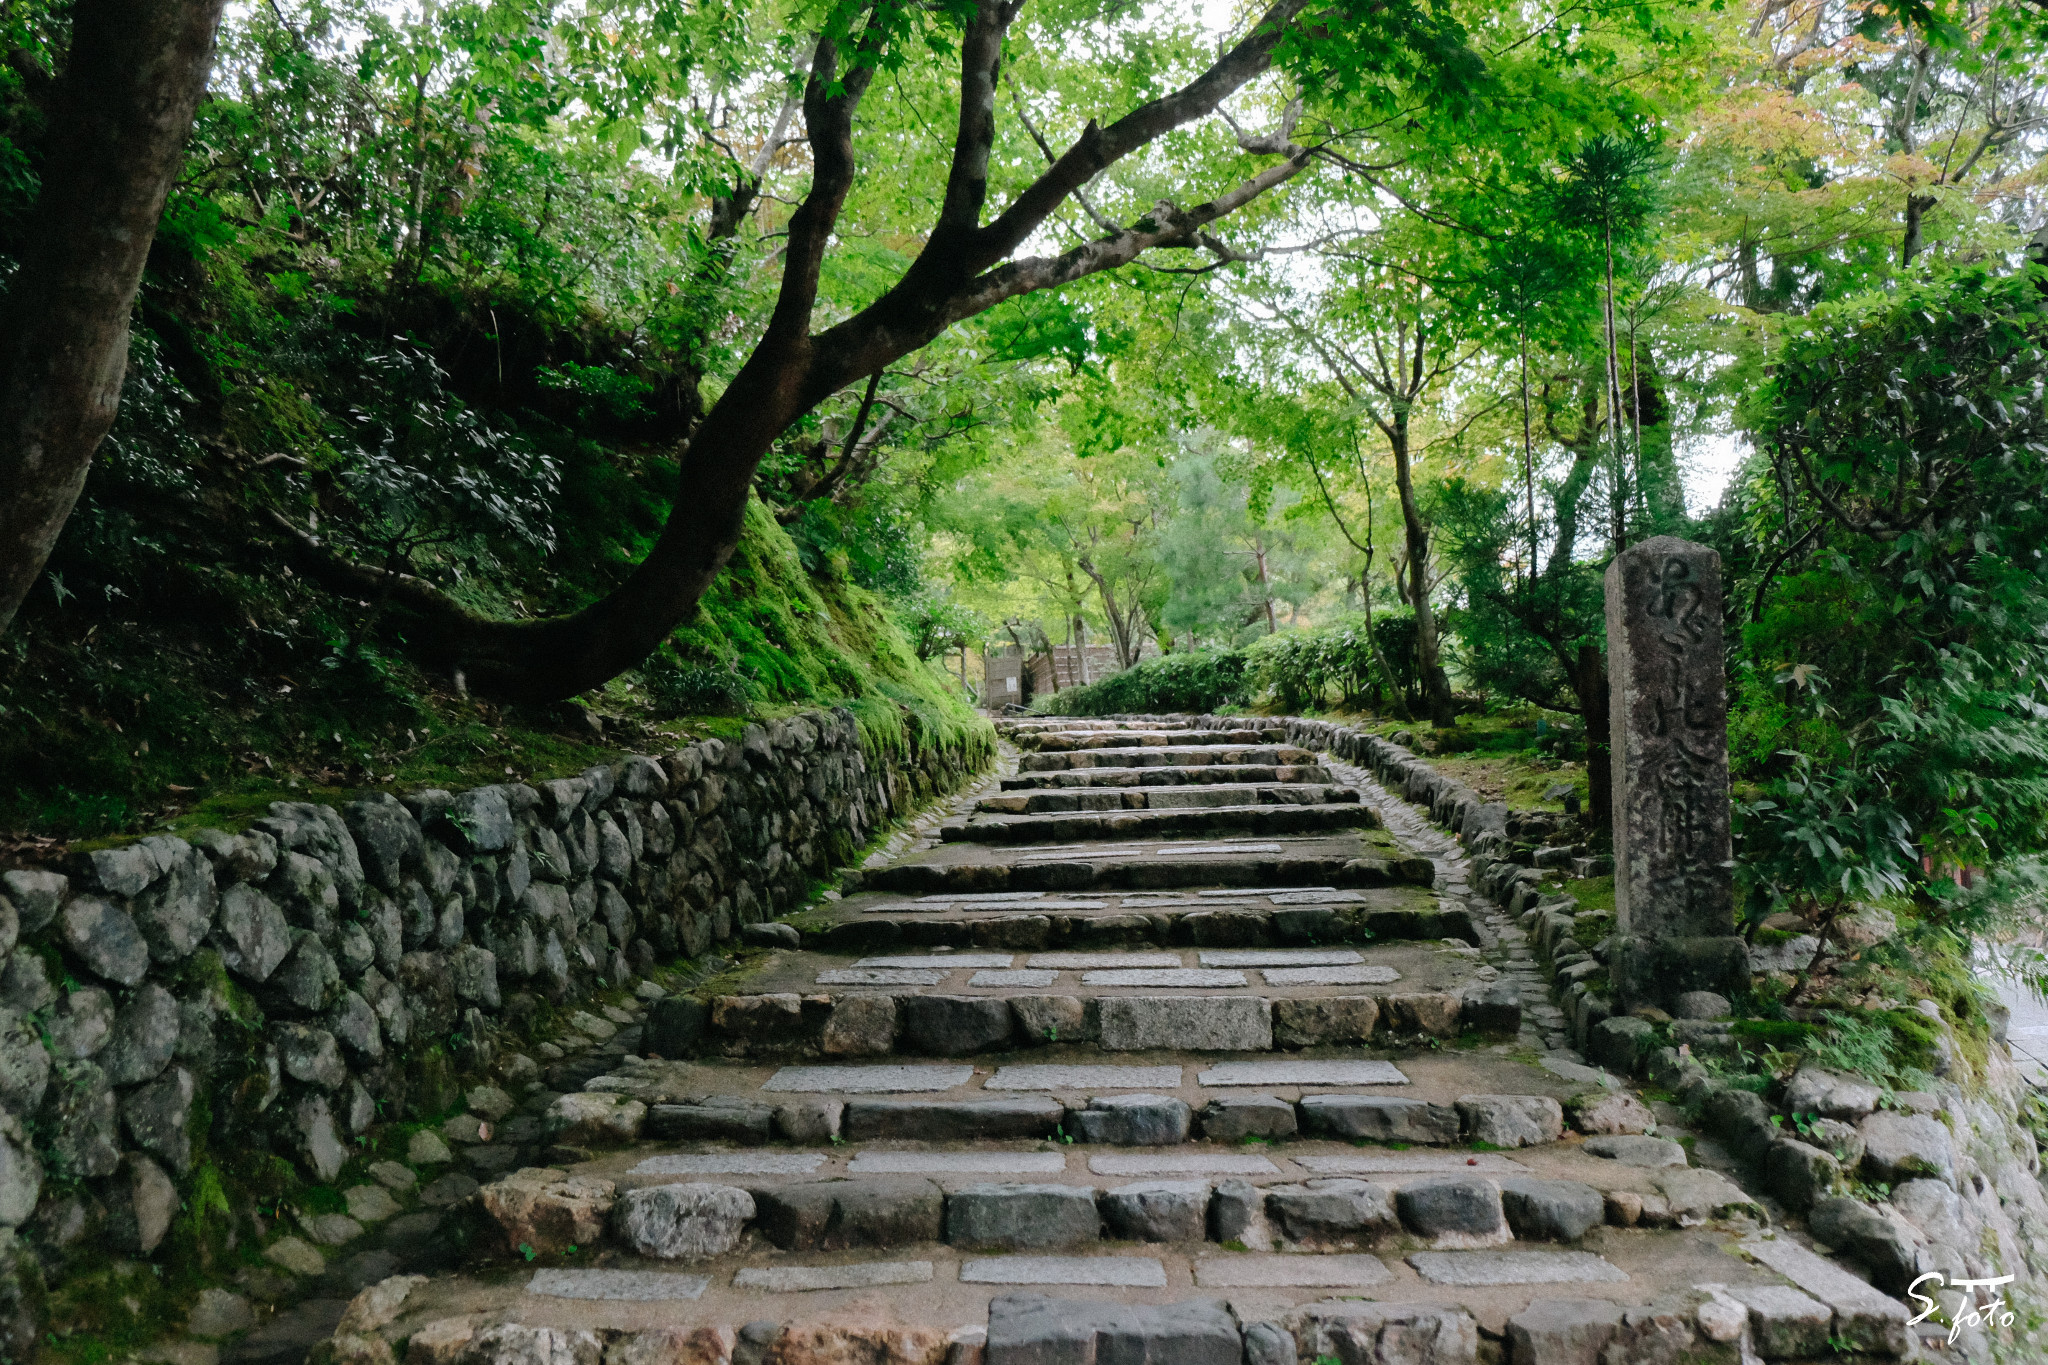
(174, 1002)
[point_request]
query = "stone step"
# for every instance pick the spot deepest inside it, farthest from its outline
(1333, 1010)
(1177, 756)
(1192, 775)
(1263, 818)
(1062, 741)
(1180, 797)
(881, 923)
(1137, 868)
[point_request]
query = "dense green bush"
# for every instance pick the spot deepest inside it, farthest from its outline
(1194, 680)
(1298, 669)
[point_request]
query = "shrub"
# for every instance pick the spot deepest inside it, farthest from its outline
(1194, 680)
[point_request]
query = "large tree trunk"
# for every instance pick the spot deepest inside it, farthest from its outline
(122, 112)
(1436, 684)
(964, 268)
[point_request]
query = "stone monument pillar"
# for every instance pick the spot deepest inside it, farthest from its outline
(1668, 714)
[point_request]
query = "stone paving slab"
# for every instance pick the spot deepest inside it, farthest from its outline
(938, 961)
(1404, 1163)
(1102, 961)
(622, 1286)
(1189, 1163)
(1291, 1272)
(868, 1080)
(1022, 978)
(731, 1163)
(1164, 976)
(1302, 1073)
(790, 1279)
(882, 976)
(1084, 1077)
(1317, 896)
(1127, 1272)
(1368, 974)
(957, 1163)
(1477, 1269)
(1280, 957)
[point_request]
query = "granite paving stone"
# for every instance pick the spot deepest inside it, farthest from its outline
(1279, 957)
(625, 1286)
(1479, 1269)
(881, 976)
(731, 1163)
(957, 1163)
(868, 1080)
(997, 978)
(1102, 961)
(1365, 975)
(1446, 1163)
(1164, 976)
(945, 961)
(1184, 1163)
(1335, 1271)
(1130, 1272)
(1084, 1077)
(790, 1279)
(1302, 1073)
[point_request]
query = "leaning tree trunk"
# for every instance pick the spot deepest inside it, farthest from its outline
(122, 112)
(1436, 684)
(1593, 703)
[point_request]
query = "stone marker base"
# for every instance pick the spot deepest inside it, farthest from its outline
(1657, 972)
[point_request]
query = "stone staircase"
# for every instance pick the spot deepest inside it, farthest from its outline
(1120, 1061)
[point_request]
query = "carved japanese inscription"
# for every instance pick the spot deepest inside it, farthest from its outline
(1673, 889)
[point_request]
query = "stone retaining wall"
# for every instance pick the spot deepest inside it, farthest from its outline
(327, 969)
(1964, 1176)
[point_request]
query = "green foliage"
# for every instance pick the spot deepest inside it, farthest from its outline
(1894, 689)
(1192, 680)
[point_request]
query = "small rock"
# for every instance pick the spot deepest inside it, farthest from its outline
(1885, 1244)
(332, 1229)
(595, 1119)
(1379, 1118)
(1331, 1212)
(543, 1208)
(449, 1190)
(1016, 1216)
(370, 1203)
(1612, 1112)
(686, 1222)
(1564, 1331)
(378, 1305)
(489, 1101)
(1233, 1118)
(1785, 1324)
(82, 1024)
(441, 1342)
(774, 935)
(1814, 1091)
(1157, 1210)
(1454, 1211)
(310, 1055)
(425, 1148)
(809, 1121)
(218, 1313)
(1632, 1150)
(392, 1176)
(142, 1205)
(35, 894)
(1702, 1005)
(1511, 1120)
(1132, 1121)
(158, 1118)
(105, 939)
(1551, 1210)
(1899, 1147)
(292, 1254)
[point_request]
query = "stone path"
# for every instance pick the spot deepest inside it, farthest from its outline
(1159, 1013)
